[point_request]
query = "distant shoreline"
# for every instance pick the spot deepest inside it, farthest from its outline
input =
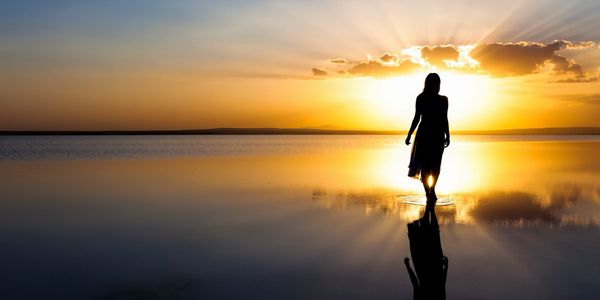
(307, 131)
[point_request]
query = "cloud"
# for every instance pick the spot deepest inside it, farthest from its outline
(496, 59)
(339, 61)
(319, 72)
(593, 99)
(563, 65)
(378, 68)
(515, 59)
(584, 78)
(512, 59)
(265, 75)
(389, 58)
(523, 206)
(436, 55)
(581, 45)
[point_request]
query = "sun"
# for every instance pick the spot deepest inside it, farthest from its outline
(394, 98)
(468, 95)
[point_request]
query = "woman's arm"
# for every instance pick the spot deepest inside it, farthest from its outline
(446, 126)
(415, 121)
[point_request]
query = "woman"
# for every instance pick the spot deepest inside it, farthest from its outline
(432, 137)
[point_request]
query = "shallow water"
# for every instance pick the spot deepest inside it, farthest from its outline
(242, 217)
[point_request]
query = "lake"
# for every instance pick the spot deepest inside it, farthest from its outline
(292, 217)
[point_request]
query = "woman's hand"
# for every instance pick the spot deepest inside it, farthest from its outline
(447, 141)
(407, 141)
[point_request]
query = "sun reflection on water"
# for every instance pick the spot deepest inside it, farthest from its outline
(481, 179)
(462, 169)
(515, 209)
(496, 181)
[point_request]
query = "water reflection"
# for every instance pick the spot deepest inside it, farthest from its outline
(521, 182)
(561, 206)
(428, 277)
(527, 182)
(264, 221)
(471, 166)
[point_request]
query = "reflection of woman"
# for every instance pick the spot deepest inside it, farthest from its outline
(432, 137)
(430, 265)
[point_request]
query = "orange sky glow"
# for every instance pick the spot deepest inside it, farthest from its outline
(515, 64)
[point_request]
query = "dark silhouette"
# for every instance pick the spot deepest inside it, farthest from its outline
(430, 265)
(432, 137)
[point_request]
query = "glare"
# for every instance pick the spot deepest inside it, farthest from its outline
(468, 96)
(462, 168)
(393, 99)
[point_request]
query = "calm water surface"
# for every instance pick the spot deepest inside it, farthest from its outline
(292, 217)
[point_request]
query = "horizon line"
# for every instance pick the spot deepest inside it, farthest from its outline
(579, 130)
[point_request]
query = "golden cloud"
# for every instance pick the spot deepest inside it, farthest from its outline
(513, 59)
(495, 59)
(378, 68)
(580, 98)
(319, 72)
(339, 60)
(389, 58)
(437, 55)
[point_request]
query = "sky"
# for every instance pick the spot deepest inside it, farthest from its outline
(141, 65)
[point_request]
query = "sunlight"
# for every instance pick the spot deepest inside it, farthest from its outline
(395, 95)
(430, 181)
(467, 96)
(462, 169)
(393, 99)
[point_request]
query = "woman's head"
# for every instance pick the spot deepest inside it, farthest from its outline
(432, 84)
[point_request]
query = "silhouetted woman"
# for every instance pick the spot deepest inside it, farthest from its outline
(433, 135)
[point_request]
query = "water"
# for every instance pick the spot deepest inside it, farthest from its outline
(137, 147)
(272, 217)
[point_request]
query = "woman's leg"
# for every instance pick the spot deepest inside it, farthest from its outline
(427, 186)
(429, 183)
(436, 175)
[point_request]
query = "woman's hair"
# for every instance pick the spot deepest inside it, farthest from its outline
(432, 84)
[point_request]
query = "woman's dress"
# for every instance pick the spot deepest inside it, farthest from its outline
(428, 147)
